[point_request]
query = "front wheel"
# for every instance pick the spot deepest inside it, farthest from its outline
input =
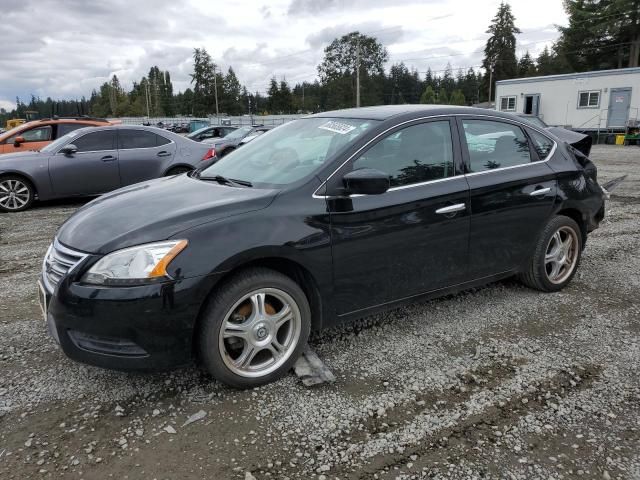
(16, 194)
(556, 256)
(254, 328)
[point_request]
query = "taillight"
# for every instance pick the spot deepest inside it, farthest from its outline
(210, 154)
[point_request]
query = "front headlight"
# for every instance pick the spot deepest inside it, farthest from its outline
(135, 265)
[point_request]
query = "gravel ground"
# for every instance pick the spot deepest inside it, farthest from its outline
(498, 382)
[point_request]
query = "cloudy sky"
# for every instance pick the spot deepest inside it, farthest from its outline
(65, 48)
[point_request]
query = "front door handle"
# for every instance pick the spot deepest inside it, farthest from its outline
(108, 158)
(458, 207)
(540, 191)
(164, 154)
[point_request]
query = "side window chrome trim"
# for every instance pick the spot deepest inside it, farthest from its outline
(453, 115)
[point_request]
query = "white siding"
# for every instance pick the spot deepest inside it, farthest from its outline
(559, 96)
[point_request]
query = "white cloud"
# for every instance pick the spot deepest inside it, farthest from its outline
(90, 41)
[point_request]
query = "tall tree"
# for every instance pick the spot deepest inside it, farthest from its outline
(601, 34)
(231, 92)
(526, 66)
(342, 58)
(500, 50)
(204, 80)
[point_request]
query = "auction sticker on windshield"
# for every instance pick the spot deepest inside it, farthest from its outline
(337, 127)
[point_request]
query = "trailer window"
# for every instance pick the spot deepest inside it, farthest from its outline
(508, 104)
(590, 99)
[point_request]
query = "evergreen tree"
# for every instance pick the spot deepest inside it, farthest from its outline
(500, 50)
(204, 80)
(443, 98)
(428, 96)
(274, 96)
(526, 66)
(457, 98)
(601, 34)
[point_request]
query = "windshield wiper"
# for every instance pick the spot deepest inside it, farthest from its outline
(227, 181)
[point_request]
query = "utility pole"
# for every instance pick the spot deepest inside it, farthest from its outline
(490, 80)
(303, 96)
(146, 89)
(358, 73)
(215, 90)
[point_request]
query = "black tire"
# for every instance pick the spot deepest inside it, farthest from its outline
(537, 274)
(178, 171)
(23, 193)
(211, 348)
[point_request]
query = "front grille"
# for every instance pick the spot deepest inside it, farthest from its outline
(59, 261)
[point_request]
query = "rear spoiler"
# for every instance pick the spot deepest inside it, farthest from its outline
(579, 141)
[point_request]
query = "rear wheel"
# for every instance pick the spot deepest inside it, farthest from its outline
(16, 194)
(556, 256)
(254, 328)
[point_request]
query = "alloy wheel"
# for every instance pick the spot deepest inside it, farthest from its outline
(260, 332)
(561, 255)
(14, 194)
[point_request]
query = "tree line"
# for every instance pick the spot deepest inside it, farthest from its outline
(600, 34)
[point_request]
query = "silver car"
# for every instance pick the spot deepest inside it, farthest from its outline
(94, 160)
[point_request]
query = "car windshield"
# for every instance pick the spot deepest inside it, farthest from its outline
(56, 144)
(237, 134)
(290, 152)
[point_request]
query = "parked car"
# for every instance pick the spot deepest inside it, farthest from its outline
(231, 141)
(91, 161)
(39, 133)
(325, 219)
(213, 131)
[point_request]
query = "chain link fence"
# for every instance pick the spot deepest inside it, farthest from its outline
(241, 120)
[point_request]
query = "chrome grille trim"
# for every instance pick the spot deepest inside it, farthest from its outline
(58, 262)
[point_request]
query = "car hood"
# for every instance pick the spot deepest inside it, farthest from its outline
(8, 158)
(579, 141)
(155, 210)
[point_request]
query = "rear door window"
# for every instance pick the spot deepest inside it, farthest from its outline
(541, 144)
(494, 144)
(96, 141)
(130, 139)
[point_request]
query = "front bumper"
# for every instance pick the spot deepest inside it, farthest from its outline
(147, 327)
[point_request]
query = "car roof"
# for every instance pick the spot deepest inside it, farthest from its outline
(385, 112)
(128, 127)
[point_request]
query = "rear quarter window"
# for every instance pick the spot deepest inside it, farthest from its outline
(541, 144)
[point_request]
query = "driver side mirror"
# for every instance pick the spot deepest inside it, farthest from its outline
(70, 149)
(366, 181)
(17, 141)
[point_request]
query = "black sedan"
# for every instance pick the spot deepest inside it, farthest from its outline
(324, 219)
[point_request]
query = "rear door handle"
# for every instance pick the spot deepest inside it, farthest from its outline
(458, 207)
(108, 158)
(540, 191)
(164, 154)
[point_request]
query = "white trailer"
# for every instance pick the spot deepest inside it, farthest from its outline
(605, 100)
